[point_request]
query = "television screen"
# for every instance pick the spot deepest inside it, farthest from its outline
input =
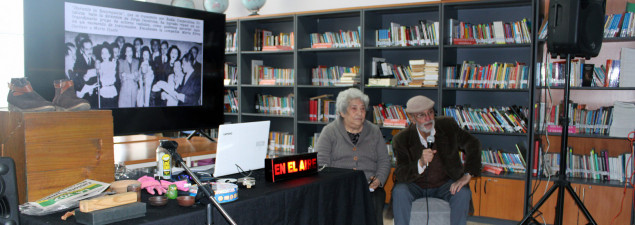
(157, 67)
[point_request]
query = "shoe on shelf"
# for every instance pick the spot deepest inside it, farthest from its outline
(65, 98)
(22, 98)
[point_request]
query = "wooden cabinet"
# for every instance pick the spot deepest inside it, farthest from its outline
(501, 198)
(54, 150)
(603, 202)
(476, 195)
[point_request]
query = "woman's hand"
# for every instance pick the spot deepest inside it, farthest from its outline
(374, 184)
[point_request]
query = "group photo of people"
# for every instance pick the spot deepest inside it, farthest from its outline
(127, 72)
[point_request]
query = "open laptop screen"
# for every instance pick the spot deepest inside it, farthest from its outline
(242, 144)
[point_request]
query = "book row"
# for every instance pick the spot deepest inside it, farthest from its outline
(619, 25)
(497, 32)
(231, 101)
(391, 116)
(322, 108)
(582, 74)
(230, 42)
(595, 166)
(419, 73)
(582, 120)
(496, 75)
(230, 73)
(508, 162)
(331, 76)
(341, 39)
(502, 119)
(264, 40)
(281, 142)
(265, 75)
(269, 104)
(424, 33)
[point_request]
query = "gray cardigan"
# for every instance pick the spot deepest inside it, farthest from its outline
(335, 149)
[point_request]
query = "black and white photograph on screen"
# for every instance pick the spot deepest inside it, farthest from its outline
(116, 64)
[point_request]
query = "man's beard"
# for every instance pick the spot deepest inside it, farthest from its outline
(422, 127)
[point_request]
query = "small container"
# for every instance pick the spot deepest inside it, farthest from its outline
(135, 188)
(185, 201)
(172, 192)
(158, 200)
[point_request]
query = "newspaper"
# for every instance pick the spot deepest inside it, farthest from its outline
(67, 198)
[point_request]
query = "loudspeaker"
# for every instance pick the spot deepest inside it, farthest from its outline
(9, 213)
(576, 27)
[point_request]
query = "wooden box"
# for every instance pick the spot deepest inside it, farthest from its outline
(53, 150)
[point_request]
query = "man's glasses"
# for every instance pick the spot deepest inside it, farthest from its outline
(421, 115)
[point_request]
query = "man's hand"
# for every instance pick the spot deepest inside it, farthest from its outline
(427, 156)
(457, 185)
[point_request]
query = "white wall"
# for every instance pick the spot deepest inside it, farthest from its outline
(236, 8)
(12, 39)
(12, 33)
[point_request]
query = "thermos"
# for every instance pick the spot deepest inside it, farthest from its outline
(164, 159)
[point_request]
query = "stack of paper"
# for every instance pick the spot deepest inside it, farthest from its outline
(623, 119)
(627, 70)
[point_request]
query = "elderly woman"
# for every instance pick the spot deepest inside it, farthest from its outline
(351, 142)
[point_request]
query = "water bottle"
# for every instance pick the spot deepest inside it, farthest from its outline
(164, 159)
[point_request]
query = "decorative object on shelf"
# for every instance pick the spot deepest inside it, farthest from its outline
(217, 6)
(183, 3)
(253, 6)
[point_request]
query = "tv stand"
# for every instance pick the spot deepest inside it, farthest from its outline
(202, 134)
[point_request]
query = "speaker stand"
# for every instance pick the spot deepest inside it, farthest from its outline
(561, 183)
(202, 133)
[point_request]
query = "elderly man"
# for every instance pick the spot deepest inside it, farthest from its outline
(433, 171)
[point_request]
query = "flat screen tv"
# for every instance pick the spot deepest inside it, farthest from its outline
(157, 67)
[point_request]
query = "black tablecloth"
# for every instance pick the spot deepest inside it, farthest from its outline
(333, 196)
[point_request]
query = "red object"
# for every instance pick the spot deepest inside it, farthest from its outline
(534, 167)
(492, 169)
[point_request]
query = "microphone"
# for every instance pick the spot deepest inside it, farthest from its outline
(430, 140)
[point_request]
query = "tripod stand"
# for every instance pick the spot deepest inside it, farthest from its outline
(201, 132)
(561, 184)
(171, 147)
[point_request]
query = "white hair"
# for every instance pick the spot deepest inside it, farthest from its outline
(344, 98)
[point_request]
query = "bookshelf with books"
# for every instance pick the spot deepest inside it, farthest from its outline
(599, 91)
(362, 25)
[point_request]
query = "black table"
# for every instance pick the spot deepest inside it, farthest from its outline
(333, 196)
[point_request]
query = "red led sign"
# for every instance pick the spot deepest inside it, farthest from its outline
(289, 167)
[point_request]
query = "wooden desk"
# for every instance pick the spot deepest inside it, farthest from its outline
(138, 151)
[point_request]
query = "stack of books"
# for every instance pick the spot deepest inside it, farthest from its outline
(348, 80)
(431, 72)
(417, 72)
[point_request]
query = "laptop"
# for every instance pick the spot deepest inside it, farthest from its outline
(242, 144)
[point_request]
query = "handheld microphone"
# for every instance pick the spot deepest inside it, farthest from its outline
(430, 140)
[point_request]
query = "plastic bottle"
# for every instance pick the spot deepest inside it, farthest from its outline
(164, 159)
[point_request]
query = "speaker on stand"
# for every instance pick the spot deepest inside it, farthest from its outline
(575, 29)
(9, 213)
